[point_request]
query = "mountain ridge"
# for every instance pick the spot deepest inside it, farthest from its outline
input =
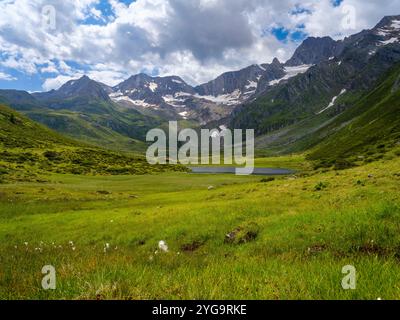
(284, 102)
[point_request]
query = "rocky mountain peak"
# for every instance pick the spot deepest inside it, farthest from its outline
(389, 21)
(314, 50)
(276, 62)
(84, 86)
(388, 29)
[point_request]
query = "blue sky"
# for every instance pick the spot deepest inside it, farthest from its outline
(109, 40)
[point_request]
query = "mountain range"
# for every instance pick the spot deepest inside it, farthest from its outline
(293, 106)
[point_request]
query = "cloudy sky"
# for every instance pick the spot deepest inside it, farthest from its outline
(44, 43)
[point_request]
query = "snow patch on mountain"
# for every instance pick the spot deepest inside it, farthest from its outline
(332, 103)
(153, 86)
(396, 24)
(227, 99)
(183, 114)
(262, 68)
(390, 41)
(114, 95)
(252, 85)
(174, 101)
(383, 32)
(182, 94)
(118, 97)
(291, 72)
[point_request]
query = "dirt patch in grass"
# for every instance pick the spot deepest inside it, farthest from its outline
(373, 249)
(317, 248)
(193, 246)
(243, 234)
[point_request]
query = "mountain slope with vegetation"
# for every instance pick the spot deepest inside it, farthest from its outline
(81, 109)
(373, 119)
(297, 114)
(368, 130)
(29, 151)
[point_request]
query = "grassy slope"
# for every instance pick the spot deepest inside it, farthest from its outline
(372, 126)
(97, 122)
(307, 229)
(29, 150)
(369, 129)
(77, 126)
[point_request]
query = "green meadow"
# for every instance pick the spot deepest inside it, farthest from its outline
(228, 237)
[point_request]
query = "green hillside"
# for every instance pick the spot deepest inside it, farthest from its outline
(91, 120)
(363, 124)
(367, 131)
(29, 150)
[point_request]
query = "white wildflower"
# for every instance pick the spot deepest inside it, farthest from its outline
(162, 245)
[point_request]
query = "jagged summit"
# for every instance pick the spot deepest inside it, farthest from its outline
(314, 50)
(276, 61)
(388, 21)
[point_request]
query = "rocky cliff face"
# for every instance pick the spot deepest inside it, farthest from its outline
(315, 50)
(172, 98)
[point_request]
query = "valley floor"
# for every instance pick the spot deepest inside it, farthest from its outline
(289, 238)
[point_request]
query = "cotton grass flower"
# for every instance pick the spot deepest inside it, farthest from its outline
(162, 245)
